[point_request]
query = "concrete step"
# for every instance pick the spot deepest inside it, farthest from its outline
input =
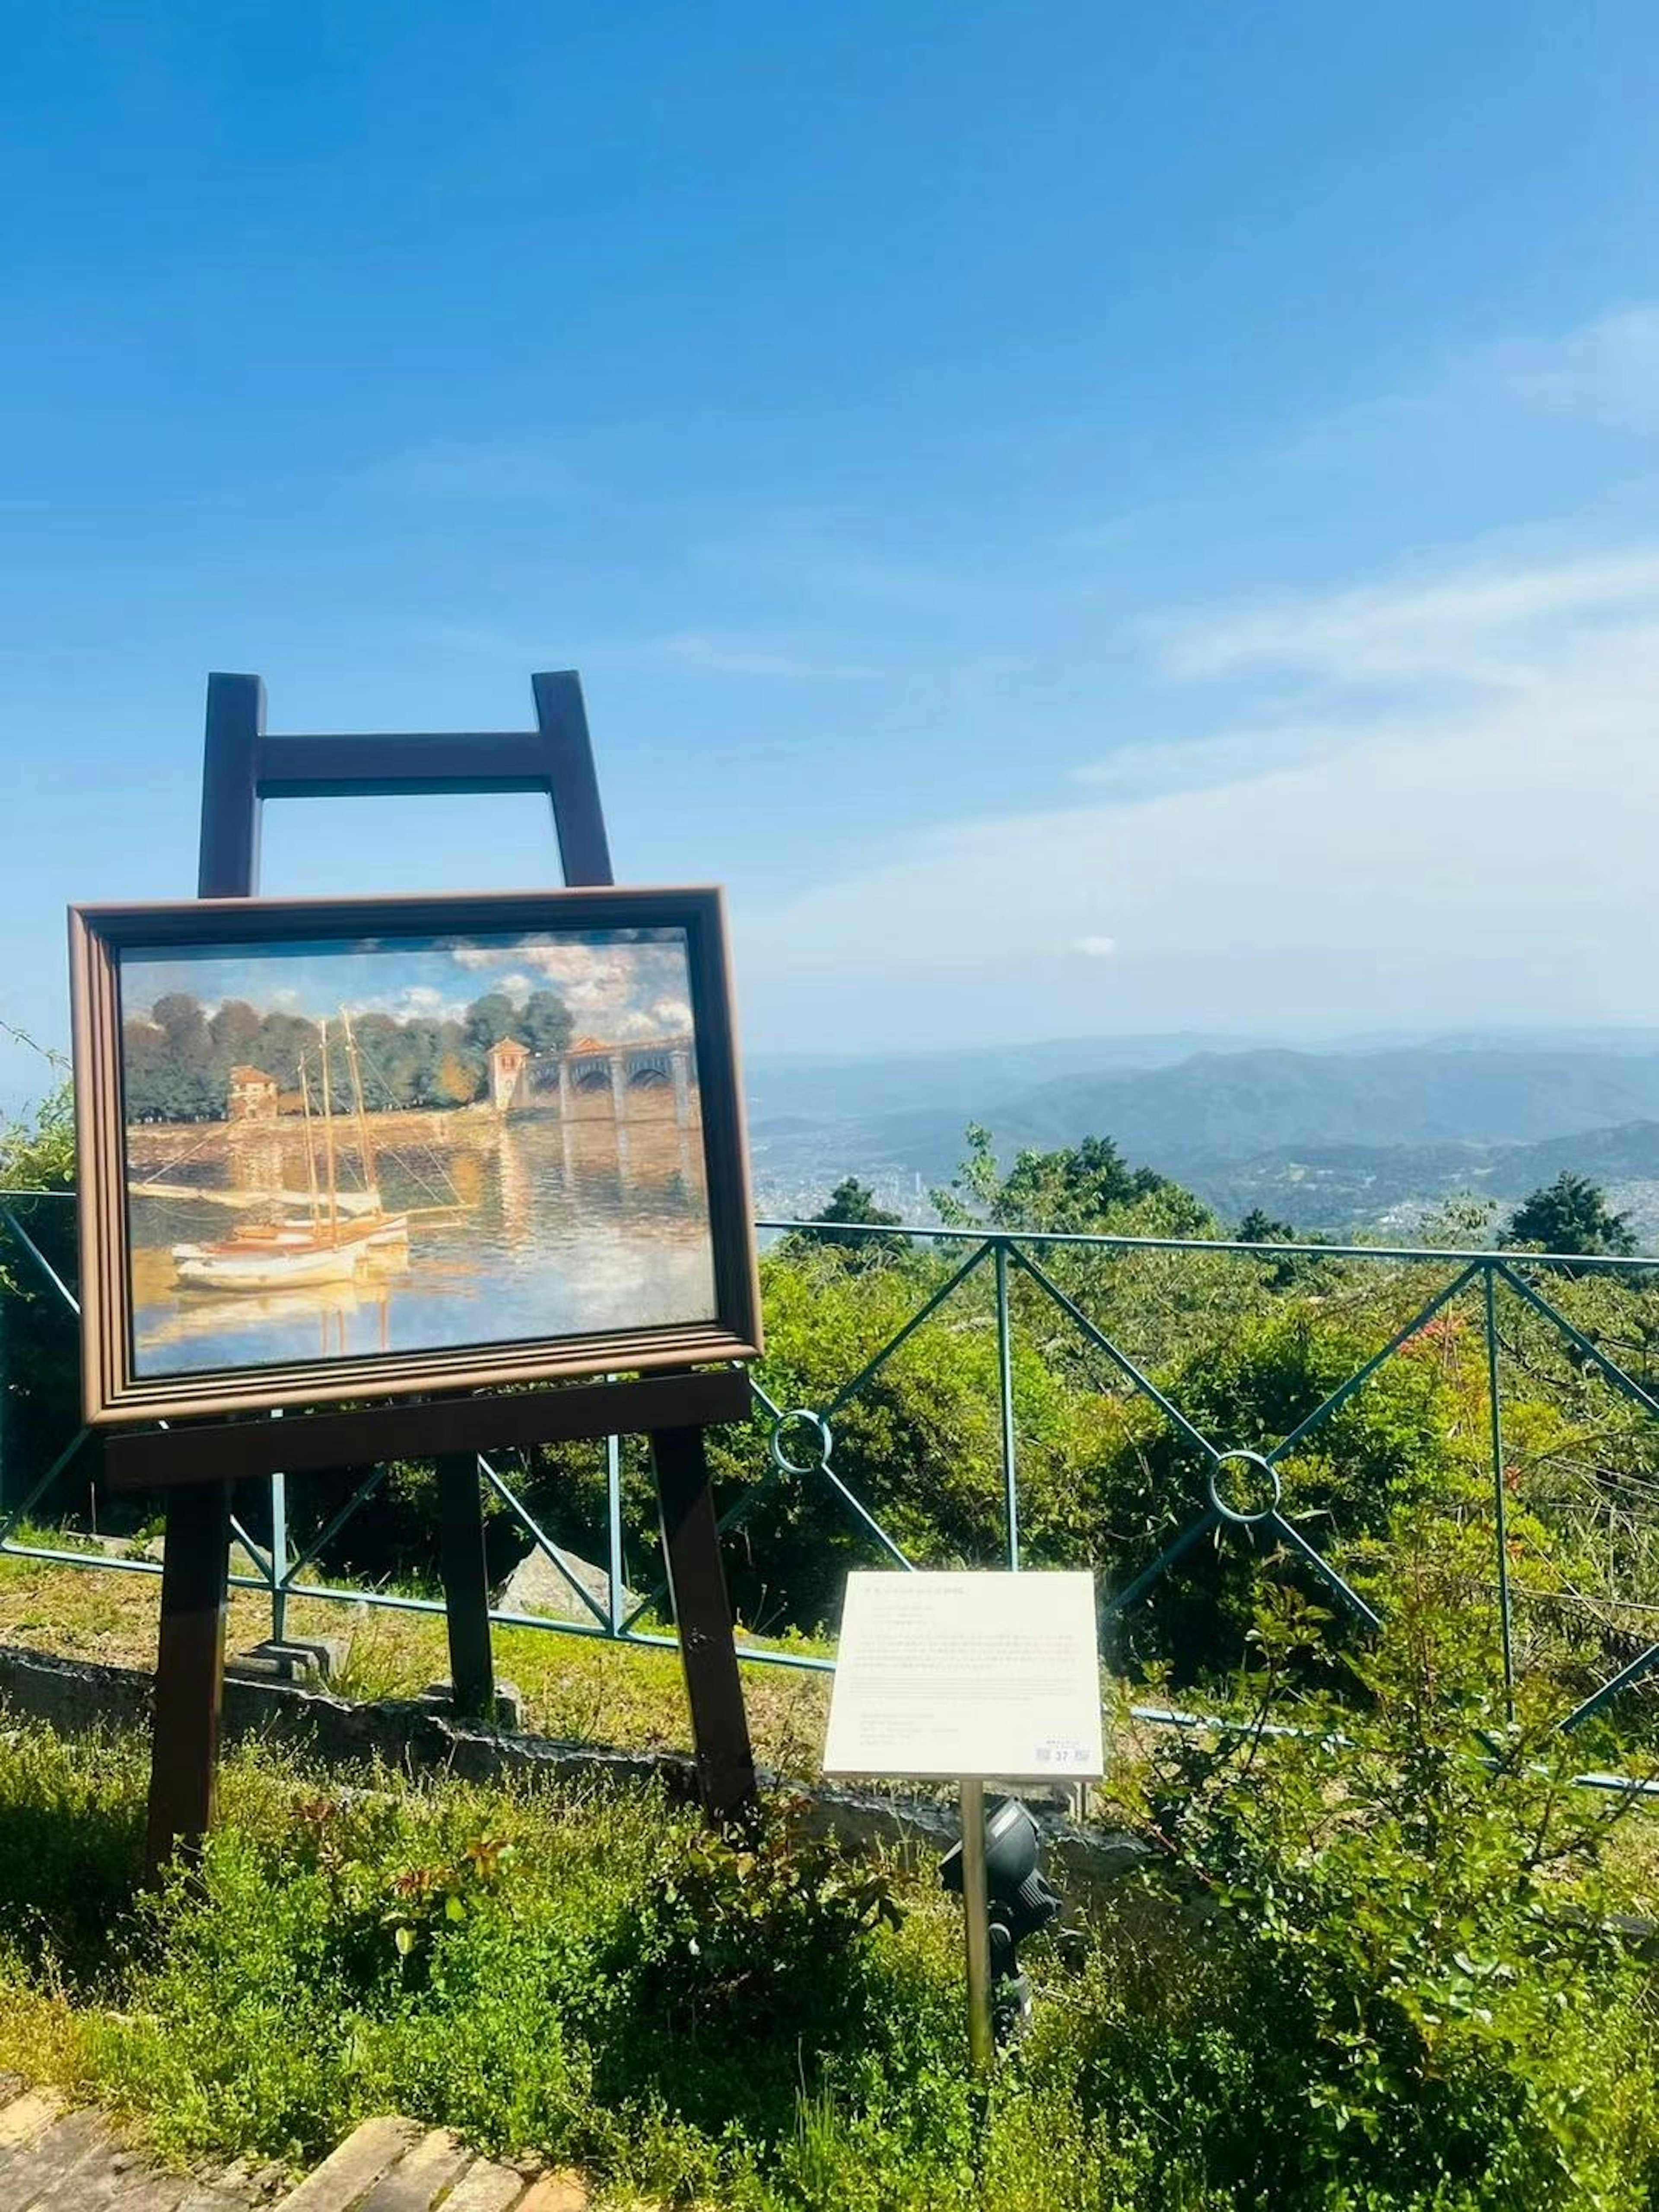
(53, 2160)
(392, 2165)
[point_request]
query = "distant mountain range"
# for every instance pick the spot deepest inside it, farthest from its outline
(1372, 1134)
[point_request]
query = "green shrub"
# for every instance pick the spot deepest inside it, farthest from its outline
(1371, 1976)
(1404, 1981)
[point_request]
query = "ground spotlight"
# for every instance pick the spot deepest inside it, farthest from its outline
(1021, 1901)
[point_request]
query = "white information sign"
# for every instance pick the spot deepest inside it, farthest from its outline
(941, 1677)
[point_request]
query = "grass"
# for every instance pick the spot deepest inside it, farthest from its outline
(516, 1965)
(1386, 1976)
(577, 1689)
(577, 1972)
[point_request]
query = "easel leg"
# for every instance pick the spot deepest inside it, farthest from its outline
(702, 1612)
(467, 1587)
(190, 1674)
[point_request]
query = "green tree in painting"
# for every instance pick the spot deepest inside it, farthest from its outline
(235, 1035)
(490, 1019)
(178, 1060)
(545, 1026)
(458, 1080)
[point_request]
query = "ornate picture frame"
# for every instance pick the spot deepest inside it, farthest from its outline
(349, 1149)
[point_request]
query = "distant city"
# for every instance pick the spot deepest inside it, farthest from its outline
(1375, 1134)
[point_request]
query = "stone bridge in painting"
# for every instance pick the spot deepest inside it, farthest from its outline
(620, 1082)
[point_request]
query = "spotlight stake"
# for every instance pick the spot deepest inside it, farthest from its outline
(977, 1922)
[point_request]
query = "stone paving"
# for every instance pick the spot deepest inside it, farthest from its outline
(55, 2159)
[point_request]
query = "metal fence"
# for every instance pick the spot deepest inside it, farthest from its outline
(1241, 1492)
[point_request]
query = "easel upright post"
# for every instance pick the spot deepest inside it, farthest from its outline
(702, 1614)
(690, 1532)
(190, 1662)
(189, 1673)
(467, 1588)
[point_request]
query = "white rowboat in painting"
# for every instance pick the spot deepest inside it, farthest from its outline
(238, 1266)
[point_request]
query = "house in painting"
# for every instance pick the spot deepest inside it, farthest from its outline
(252, 1096)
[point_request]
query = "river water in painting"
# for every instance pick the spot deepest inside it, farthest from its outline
(518, 1228)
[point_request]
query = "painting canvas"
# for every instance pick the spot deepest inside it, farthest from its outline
(432, 1141)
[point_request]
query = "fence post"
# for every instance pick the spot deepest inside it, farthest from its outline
(1500, 1501)
(1006, 1385)
(278, 1549)
(614, 1509)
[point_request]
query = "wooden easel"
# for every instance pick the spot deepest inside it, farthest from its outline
(197, 1465)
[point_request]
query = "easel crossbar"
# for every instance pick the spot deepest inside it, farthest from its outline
(184, 1457)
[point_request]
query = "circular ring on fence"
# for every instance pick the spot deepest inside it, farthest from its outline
(1262, 1467)
(820, 1429)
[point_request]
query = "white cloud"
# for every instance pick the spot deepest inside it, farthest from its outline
(1607, 369)
(1144, 771)
(1602, 372)
(414, 1002)
(1095, 948)
(1485, 624)
(1458, 822)
(605, 985)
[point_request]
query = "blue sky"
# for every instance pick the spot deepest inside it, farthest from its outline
(1084, 519)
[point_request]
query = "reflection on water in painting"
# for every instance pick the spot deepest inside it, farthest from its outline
(518, 1228)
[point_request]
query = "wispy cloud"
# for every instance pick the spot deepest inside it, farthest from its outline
(1607, 369)
(1603, 371)
(1477, 846)
(1479, 623)
(1152, 770)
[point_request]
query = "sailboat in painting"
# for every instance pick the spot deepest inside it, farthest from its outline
(331, 1235)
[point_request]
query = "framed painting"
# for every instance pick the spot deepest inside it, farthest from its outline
(349, 1149)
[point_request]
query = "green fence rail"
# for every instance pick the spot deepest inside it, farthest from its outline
(1240, 1493)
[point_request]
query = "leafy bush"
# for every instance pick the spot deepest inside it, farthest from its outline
(1380, 1974)
(1406, 1979)
(1392, 1446)
(752, 1930)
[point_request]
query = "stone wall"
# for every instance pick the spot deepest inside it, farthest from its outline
(417, 1737)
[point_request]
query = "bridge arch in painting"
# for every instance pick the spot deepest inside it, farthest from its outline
(520, 1080)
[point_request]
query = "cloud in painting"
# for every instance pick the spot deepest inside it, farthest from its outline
(612, 989)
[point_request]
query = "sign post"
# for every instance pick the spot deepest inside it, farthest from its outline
(969, 1679)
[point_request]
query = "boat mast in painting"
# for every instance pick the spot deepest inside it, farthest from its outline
(288, 1251)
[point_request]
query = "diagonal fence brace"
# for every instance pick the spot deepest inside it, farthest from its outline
(1098, 1337)
(1357, 1381)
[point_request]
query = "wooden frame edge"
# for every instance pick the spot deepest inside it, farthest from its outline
(113, 1394)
